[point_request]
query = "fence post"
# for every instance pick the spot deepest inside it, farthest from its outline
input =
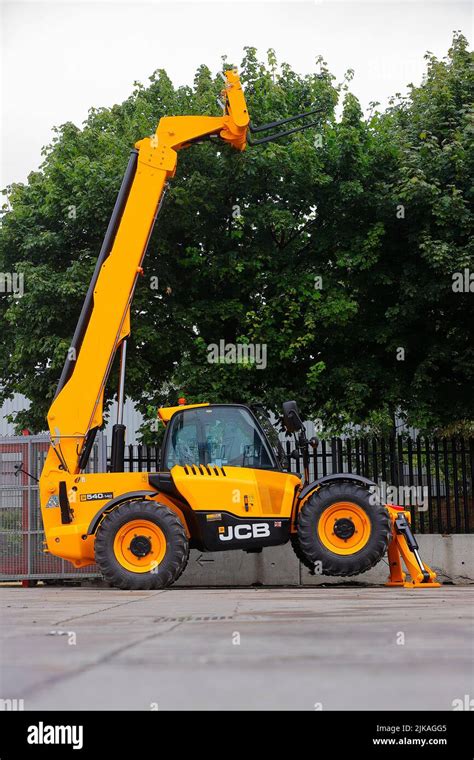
(323, 457)
(357, 454)
(333, 455)
(465, 492)
(383, 460)
(28, 468)
(438, 485)
(400, 465)
(340, 458)
(411, 480)
(315, 461)
(471, 458)
(420, 479)
(446, 485)
(429, 484)
(393, 469)
(349, 454)
(457, 513)
(365, 457)
(375, 470)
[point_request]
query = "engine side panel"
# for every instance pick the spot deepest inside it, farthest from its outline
(241, 491)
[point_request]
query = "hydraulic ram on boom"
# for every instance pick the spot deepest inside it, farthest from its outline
(138, 527)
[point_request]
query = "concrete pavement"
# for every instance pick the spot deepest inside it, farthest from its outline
(309, 648)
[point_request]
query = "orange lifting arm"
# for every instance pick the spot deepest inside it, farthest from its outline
(104, 323)
(105, 318)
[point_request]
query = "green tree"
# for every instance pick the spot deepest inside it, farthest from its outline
(335, 248)
(433, 131)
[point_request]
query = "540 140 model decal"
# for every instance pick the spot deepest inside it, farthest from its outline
(100, 496)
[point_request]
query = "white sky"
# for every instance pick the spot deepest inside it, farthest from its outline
(60, 58)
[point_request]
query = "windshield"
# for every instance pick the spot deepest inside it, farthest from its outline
(272, 436)
(217, 435)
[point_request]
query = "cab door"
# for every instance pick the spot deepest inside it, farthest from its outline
(220, 461)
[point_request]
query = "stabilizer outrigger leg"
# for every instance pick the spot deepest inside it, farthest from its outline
(404, 545)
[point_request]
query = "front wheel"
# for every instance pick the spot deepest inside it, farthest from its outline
(340, 531)
(141, 545)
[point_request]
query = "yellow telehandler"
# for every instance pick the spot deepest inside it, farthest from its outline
(223, 482)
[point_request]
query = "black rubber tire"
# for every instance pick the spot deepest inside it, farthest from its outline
(309, 548)
(295, 543)
(177, 546)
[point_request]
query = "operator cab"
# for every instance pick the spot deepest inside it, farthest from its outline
(221, 435)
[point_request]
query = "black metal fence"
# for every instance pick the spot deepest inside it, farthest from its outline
(433, 477)
(140, 458)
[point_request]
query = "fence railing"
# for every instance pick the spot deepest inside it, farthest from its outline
(140, 458)
(432, 477)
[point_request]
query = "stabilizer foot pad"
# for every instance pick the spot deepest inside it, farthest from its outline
(413, 584)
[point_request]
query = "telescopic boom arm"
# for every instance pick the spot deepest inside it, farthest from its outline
(104, 323)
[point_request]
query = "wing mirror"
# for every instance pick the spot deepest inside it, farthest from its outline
(292, 421)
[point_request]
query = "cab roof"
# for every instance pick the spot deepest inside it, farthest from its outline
(166, 412)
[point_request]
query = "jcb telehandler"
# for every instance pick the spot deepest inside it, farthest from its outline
(223, 483)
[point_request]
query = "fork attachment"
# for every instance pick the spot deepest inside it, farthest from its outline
(273, 124)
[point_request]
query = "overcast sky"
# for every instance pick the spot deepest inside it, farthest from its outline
(61, 58)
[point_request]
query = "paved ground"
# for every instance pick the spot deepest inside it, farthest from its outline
(337, 647)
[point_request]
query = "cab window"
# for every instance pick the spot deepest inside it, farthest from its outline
(217, 436)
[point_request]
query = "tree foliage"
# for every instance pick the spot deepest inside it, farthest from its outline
(335, 248)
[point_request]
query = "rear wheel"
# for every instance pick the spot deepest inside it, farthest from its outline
(340, 531)
(141, 545)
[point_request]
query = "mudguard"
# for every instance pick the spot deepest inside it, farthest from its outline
(334, 478)
(130, 496)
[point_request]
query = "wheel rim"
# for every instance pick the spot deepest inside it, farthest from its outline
(344, 528)
(139, 546)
